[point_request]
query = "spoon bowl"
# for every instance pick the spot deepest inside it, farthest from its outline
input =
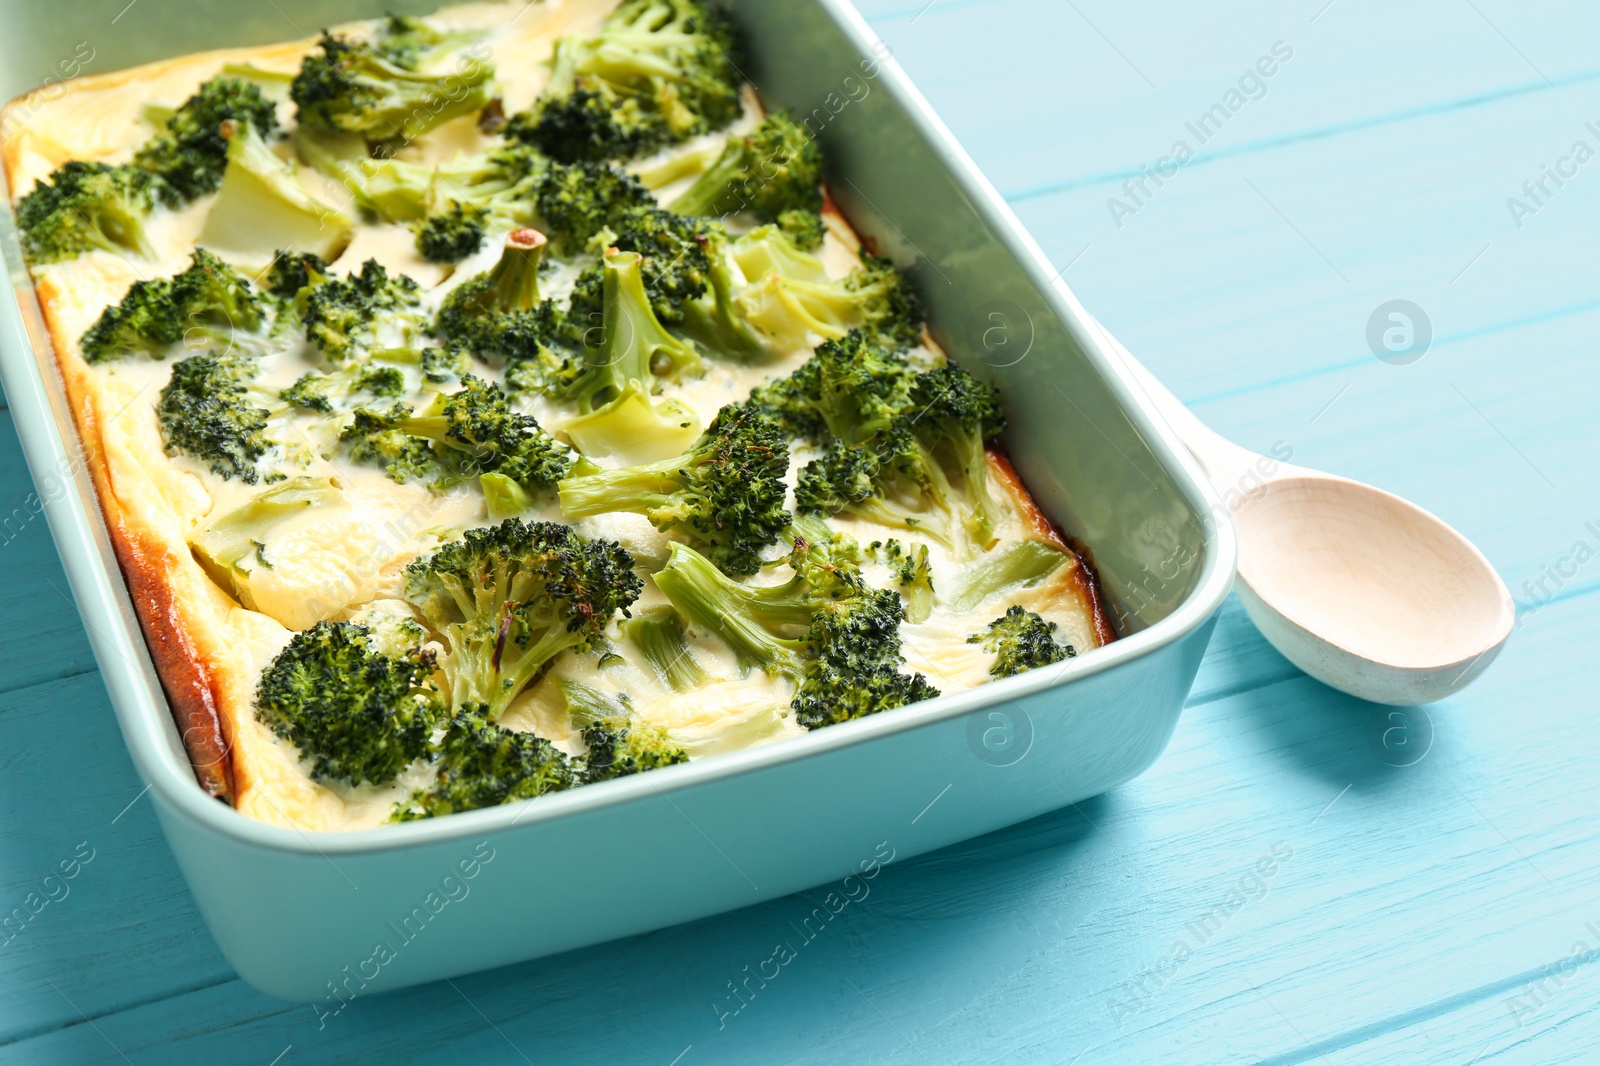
(1367, 592)
(1364, 591)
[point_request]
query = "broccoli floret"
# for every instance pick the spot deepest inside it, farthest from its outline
(824, 629)
(508, 599)
(372, 439)
(576, 202)
(548, 372)
(677, 263)
(790, 296)
(619, 747)
(484, 765)
(913, 572)
(323, 393)
(206, 412)
(618, 743)
(191, 153)
(357, 713)
(614, 388)
(850, 390)
(292, 271)
(922, 466)
(499, 313)
(660, 635)
(443, 365)
(658, 72)
(347, 318)
(773, 170)
(716, 319)
(451, 236)
(469, 432)
(725, 494)
(413, 44)
(210, 302)
(805, 228)
(351, 87)
(858, 666)
(85, 206)
(1021, 641)
(500, 185)
(261, 207)
(956, 416)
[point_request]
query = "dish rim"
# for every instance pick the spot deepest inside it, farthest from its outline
(77, 527)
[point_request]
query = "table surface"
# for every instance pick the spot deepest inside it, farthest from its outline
(1434, 899)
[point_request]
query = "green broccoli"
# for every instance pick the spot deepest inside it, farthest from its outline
(412, 44)
(209, 303)
(851, 390)
(789, 295)
(617, 743)
(506, 600)
(660, 636)
(716, 319)
(619, 747)
(1021, 641)
(466, 433)
(351, 317)
(956, 417)
(191, 153)
(677, 264)
(774, 172)
(725, 494)
(325, 393)
(499, 313)
(443, 365)
(484, 765)
(351, 87)
(291, 272)
(358, 712)
(924, 466)
(86, 206)
(1019, 565)
(578, 202)
(262, 208)
(913, 573)
(658, 72)
(450, 236)
(824, 629)
(614, 387)
(500, 186)
(206, 412)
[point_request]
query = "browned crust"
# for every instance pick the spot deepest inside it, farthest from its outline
(1085, 580)
(148, 567)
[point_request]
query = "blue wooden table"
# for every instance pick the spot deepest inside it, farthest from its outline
(1302, 877)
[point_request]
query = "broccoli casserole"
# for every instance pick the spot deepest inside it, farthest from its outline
(496, 403)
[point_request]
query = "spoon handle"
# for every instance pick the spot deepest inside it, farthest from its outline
(1224, 462)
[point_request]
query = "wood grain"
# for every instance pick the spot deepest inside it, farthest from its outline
(1420, 903)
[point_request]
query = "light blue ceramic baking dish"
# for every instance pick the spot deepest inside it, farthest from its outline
(321, 919)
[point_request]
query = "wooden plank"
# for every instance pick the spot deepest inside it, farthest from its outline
(121, 929)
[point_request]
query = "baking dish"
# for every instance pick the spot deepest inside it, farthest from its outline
(328, 917)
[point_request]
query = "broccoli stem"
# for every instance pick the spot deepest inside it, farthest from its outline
(664, 643)
(1025, 563)
(514, 281)
(747, 617)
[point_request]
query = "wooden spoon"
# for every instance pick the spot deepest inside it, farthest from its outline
(1359, 588)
